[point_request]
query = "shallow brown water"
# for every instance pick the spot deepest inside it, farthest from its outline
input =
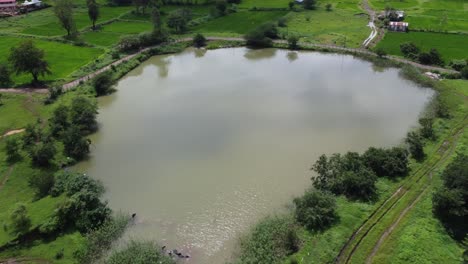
(204, 143)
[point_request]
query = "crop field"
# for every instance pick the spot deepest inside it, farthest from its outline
(238, 23)
(63, 58)
(44, 22)
(338, 27)
(111, 33)
(451, 46)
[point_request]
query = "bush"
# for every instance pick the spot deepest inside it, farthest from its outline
(83, 114)
(458, 65)
(103, 83)
(282, 22)
(270, 241)
(42, 153)
(380, 52)
(199, 40)
(137, 252)
(427, 131)
(129, 43)
(464, 72)
(42, 183)
(387, 162)
(70, 183)
(328, 7)
(316, 210)
(59, 121)
(54, 93)
(75, 145)
(309, 4)
(410, 50)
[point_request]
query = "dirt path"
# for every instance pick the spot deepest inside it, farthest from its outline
(374, 30)
(12, 132)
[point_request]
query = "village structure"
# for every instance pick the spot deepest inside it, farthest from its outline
(12, 7)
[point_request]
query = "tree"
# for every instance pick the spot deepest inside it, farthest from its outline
(20, 219)
(59, 121)
(93, 11)
(5, 79)
(63, 9)
(31, 135)
(291, 5)
(436, 58)
(292, 41)
(387, 162)
(199, 40)
(27, 58)
(328, 7)
(179, 19)
(410, 50)
(221, 7)
(12, 149)
(157, 21)
(450, 201)
(43, 153)
(103, 83)
(309, 4)
(380, 52)
(83, 114)
(427, 131)
(75, 144)
(415, 143)
(262, 35)
(316, 210)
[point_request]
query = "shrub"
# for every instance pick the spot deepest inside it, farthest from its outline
(54, 93)
(20, 219)
(129, 43)
(199, 40)
(138, 252)
(464, 72)
(410, 50)
(427, 131)
(43, 153)
(83, 113)
(262, 35)
(75, 145)
(458, 65)
(387, 162)
(70, 183)
(270, 241)
(282, 22)
(42, 183)
(328, 7)
(380, 52)
(316, 210)
(103, 83)
(309, 4)
(59, 121)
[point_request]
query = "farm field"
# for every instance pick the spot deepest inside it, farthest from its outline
(63, 58)
(451, 46)
(110, 34)
(263, 3)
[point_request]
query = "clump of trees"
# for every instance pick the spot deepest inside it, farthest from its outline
(390, 163)
(411, 51)
(262, 36)
(450, 202)
(27, 58)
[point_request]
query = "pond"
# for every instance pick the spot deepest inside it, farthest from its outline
(202, 144)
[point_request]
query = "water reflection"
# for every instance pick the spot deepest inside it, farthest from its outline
(199, 53)
(292, 56)
(258, 54)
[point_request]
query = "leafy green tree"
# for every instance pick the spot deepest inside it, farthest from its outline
(380, 52)
(316, 210)
(27, 58)
(410, 50)
(5, 79)
(59, 121)
(42, 153)
(93, 11)
(178, 20)
(41, 182)
(450, 201)
(199, 40)
(221, 7)
(12, 149)
(427, 131)
(387, 162)
(83, 114)
(262, 35)
(103, 83)
(75, 144)
(309, 4)
(292, 41)
(20, 219)
(71, 182)
(415, 143)
(63, 9)
(138, 252)
(32, 134)
(359, 185)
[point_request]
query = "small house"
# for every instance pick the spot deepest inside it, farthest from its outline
(299, 1)
(32, 4)
(398, 26)
(7, 4)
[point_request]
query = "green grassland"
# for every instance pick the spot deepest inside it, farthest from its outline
(263, 3)
(339, 27)
(63, 58)
(110, 34)
(451, 46)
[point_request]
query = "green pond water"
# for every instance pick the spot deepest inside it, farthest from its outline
(202, 144)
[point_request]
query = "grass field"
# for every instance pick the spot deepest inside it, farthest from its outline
(451, 46)
(63, 58)
(111, 33)
(263, 3)
(238, 23)
(339, 27)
